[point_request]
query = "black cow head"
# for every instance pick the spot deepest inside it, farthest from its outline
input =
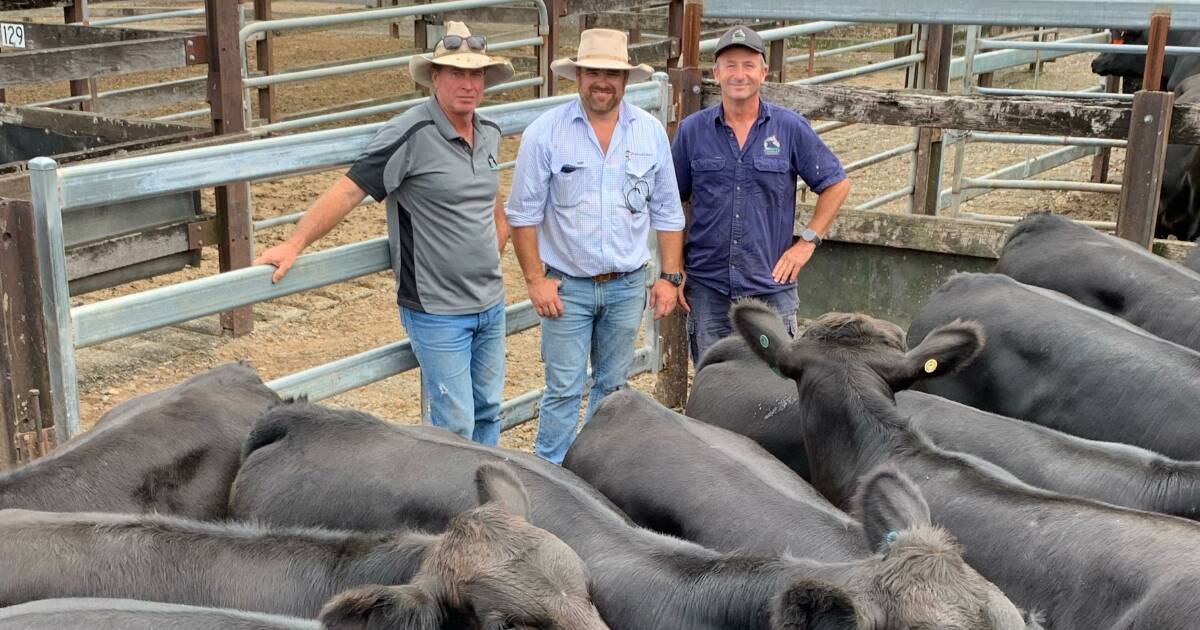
(490, 570)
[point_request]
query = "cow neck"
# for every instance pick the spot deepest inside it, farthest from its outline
(393, 558)
(850, 421)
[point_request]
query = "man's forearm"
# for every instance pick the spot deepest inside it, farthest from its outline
(327, 211)
(526, 245)
(828, 203)
(670, 247)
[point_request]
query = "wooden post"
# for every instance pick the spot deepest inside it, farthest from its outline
(264, 56)
(939, 40)
(225, 97)
(903, 49)
(76, 12)
(546, 53)
(675, 28)
(23, 370)
(777, 58)
(1144, 158)
(420, 39)
(1100, 161)
(635, 31)
(671, 385)
(985, 79)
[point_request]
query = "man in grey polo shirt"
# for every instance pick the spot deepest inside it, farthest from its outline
(436, 166)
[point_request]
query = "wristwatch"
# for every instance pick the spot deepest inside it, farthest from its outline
(810, 235)
(674, 278)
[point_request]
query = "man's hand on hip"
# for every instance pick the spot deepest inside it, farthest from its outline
(544, 295)
(663, 296)
(792, 261)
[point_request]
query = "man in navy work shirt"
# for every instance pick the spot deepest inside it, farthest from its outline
(738, 163)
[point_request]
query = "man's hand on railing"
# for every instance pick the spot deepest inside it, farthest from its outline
(282, 256)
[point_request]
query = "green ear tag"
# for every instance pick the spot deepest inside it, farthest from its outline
(777, 372)
(763, 341)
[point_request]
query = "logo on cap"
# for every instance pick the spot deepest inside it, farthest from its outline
(739, 36)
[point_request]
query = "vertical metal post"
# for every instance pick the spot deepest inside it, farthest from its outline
(933, 74)
(77, 11)
(226, 98)
(670, 387)
(265, 59)
(1145, 154)
(963, 138)
(56, 300)
(1160, 23)
(420, 38)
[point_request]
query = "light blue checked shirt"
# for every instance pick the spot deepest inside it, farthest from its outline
(594, 212)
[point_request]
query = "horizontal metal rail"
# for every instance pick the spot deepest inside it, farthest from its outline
(102, 95)
(907, 60)
(885, 199)
(1024, 138)
(310, 121)
(365, 66)
(855, 47)
(1131, 14)
(1126, 49)
(1020, 34)
(996, 60)
(203, 111)
(1023, 169)
(1039, 184)
(832, 125)
(1004, 218)
(1055, 93)
(146, 17)
(882, 156)
(783, 32)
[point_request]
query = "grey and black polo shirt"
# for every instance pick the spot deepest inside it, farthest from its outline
(440, 199)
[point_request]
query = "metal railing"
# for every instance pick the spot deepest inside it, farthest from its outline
(60, 190)
(385, 14)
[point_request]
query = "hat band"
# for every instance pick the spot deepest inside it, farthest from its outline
(624, 60)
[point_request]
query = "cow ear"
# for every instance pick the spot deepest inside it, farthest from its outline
(763, 330)
(890, 503)
(812, 605)
(498, 484)
(946, 349)
(407, 607)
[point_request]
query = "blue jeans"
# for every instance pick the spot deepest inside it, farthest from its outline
(462, 369)
(709, 322)
(600, 319)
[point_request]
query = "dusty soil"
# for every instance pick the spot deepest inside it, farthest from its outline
(301, 331)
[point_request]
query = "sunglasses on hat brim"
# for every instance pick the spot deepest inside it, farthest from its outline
(474, 42)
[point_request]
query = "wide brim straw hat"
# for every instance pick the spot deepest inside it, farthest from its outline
(602, 49)
(495, 69)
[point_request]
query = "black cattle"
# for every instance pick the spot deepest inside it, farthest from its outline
(175, 451)
(1193, 259)
(728, 391)
(1106, 273)
(85, 613)
(307, 464)
(490, 566)
(1131, 66)
(1055, 362)
(717, 488)
(1082, 564)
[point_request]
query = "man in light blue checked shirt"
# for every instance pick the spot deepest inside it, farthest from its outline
(593, 176)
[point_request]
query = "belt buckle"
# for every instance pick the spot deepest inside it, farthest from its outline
(604, 277)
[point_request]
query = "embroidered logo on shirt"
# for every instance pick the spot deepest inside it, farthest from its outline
(739, 36)
(771, 146)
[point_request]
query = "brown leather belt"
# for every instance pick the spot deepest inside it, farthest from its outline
(602, 278)
(605, 277)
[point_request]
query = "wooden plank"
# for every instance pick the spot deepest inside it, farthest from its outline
(81, 62)
(577, 7)
(1103, 157)
(654, 53)
(671, 383)
(123, 251)
(623, 21)
(1155, 54)
(1097, 118)
(496, 15)
(42, 36)
(23, 339)
(236, 247)
(1144, 157)
(147, 97)
(88, 124)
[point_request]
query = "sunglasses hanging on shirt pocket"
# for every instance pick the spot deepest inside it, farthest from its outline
(639, 169)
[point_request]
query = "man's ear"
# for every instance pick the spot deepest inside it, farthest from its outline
(946, 349)
(763, 330)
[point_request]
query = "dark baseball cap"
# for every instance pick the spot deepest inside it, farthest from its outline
(743, 36)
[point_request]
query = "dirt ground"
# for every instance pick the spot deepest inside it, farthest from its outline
(301, 331)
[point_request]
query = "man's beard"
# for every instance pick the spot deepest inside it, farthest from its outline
(601, 108)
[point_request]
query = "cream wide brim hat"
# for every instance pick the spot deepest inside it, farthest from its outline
(602, 49)
(495, 69)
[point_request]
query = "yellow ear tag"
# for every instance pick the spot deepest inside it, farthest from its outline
(931, 366)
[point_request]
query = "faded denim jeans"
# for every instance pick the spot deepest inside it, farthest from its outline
(601, 320)
(462, 369)
(709, 321)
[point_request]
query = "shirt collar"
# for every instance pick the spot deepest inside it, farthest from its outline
(442, 122)
(764, 112)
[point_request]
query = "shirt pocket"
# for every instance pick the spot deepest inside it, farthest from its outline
(568, 182)
(774, 175)
(639, 180)
(709, 182)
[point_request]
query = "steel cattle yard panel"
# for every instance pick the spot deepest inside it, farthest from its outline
(1131, 14)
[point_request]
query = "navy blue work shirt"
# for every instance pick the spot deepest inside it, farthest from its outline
(744, 199)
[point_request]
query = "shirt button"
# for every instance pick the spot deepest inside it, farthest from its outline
(737, 216)
(735, 241)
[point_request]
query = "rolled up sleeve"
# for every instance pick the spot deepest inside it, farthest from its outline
(531, 180)
(666, 211)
